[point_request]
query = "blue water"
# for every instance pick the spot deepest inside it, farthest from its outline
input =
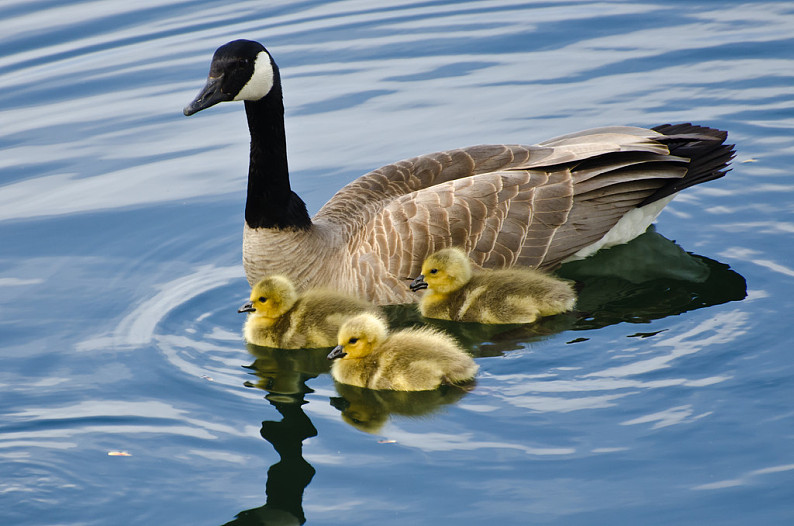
(667, 399)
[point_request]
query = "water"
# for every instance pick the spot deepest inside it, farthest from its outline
(666, 399)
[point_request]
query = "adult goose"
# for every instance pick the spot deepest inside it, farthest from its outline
(503, 204)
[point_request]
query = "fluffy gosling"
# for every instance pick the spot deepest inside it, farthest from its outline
(407, 360)
(517, 295)
(280, 317)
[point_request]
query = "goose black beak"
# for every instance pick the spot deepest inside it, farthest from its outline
(210, 95)
(337, 352)
(418, 284)
(248, 307)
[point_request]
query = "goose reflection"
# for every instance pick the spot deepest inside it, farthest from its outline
(283, 374)
(368, 410)
(649, 279)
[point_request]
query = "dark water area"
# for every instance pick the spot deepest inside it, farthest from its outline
(129, 396)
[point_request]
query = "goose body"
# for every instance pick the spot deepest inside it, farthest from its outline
(407, 360)
(515, 295)
(505, 205)
(280, 317)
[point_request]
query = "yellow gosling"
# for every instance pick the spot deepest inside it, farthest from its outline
(517, 295)
(279, 317)
(407, 360)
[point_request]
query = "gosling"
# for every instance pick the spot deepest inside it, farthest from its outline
(407, 360)
(279, 317)
(516, 295)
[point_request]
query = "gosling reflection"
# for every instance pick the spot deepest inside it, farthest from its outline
(368, 410)
(283, 374)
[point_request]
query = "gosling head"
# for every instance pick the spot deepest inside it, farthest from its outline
(358, 335)
(271, 298)
(444, 271)
(240, 70)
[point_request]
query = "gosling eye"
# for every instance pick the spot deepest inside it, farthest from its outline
(262, 299)
(352, 340)
(433, 271)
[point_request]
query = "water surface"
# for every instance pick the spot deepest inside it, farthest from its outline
(664, 400)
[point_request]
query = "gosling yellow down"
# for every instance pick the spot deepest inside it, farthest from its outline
(279, 317)
(517, 295)
(407, 360)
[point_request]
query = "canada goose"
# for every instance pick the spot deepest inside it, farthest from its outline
(406, 360)
(535, 206)
(279, 317)
(516, 295)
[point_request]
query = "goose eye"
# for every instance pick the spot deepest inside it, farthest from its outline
(352, 340)
(262, 299)
(433, 271)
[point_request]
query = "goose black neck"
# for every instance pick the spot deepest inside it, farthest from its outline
(271, 203)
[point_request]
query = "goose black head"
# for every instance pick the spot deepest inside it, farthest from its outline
(240, 70)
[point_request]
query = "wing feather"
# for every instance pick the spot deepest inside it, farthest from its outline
(504, 204)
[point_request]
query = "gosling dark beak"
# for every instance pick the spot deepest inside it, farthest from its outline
(337, 402)
(418, 284)
(210, 95)
(248, 307)
(337, 352)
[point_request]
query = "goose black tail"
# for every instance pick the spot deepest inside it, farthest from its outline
(705, 148)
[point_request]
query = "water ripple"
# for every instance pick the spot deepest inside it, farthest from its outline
(120, 275)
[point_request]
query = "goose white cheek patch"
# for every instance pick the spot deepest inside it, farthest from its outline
(261, 81)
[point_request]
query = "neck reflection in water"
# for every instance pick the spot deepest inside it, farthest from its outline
(283, 374)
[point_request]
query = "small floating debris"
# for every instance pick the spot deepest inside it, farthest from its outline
(208, 378)
(578, 340)
(751, 160)
(644, 334)
(387, 441)
(119, 454)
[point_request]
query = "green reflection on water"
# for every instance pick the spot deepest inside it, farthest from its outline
(648, 279)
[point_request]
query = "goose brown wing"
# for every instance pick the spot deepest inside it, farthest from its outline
(505, 204)
(358, 202)
(528, 217)
(354, 205)
(496, 217)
